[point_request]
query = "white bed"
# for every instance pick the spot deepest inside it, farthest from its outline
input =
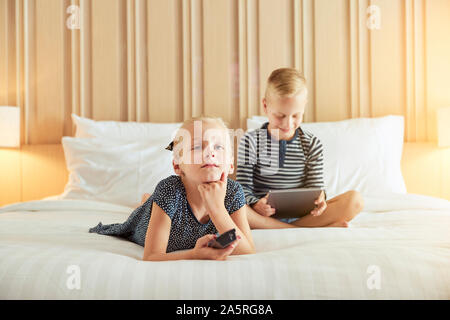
(397, 248)
(403, 239)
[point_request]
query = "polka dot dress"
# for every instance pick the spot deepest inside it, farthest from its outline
(185, 230)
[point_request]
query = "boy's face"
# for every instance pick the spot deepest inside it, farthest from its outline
(205, 153)
(285, 113)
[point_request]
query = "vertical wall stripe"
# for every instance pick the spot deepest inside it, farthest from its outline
(254, 94)
(364, 61)
(131, 58)
(141, 61)
(354, 59)
(410, 106)
(122, 66)
(243, 62)
(187, 59)
(30, 67)
(308, 58)
(20, 80)
(298, 35)
(197, 57)
(420, 124)
(85, 59)
(10, 52)
(75, 64)
(67, 71)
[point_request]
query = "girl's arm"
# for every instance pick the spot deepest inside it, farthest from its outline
(213, 195)
(237, 220)
(240, 219)
(157, 238)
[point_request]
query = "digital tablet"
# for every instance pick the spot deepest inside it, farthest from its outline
(293, 203)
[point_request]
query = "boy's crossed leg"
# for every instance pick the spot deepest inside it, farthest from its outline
(340, 210)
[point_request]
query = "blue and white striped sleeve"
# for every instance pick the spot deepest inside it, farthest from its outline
(314, 165)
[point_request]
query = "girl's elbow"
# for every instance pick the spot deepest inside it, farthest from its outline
(248, 250)
(150, 257)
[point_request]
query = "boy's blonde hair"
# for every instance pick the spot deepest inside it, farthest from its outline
(285, 82)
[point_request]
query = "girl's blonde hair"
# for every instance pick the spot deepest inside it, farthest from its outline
(177, 139)
(285, 82)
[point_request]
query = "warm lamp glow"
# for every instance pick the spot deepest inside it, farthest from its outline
(9, 127)
(443, 126)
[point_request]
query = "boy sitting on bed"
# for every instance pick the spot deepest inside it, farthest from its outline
(281, 155)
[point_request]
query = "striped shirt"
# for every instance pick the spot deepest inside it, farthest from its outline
(265, 163)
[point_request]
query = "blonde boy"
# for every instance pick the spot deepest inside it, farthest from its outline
(281, 155)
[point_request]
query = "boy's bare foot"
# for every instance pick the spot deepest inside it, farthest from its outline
(341, 224)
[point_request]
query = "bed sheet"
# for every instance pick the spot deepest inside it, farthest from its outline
(397, 248)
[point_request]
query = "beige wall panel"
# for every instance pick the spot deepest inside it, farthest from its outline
(388, 59)
(276, 46)
(141, 61)
(437, 60)
(10, 176)
(332, 60)
(31, 173)
(49, 103)
(253, 85)
(9, 50)
(131, 59)
(308, 36)
(86, 59)
(218, 59)
(44, 171)
(164, 45)
(423, 170)
(3, 53)
(108, 53)
(75, 70)
(164, 60)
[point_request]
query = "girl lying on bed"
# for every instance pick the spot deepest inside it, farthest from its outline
(186, 210)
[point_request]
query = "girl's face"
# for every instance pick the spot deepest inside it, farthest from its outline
(203, 153)
(285, 113)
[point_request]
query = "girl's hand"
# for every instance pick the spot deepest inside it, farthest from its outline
(263, 208)
(321, 205)
(203, 252)
(213, 193)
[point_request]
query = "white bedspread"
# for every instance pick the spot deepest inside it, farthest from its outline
(401, 240)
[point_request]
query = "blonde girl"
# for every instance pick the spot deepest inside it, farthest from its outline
(188, 209)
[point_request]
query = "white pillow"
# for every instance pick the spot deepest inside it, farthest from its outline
(123, 130)
(104, 170)
(359, 154)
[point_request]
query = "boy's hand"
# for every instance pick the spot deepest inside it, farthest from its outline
(263, 208)
(213, 193)
(321, 205)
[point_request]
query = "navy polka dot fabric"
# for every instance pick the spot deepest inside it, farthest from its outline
(170, 196)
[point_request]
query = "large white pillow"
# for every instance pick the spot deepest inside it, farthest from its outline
(109, 171)
(124, 130)
(359, 154)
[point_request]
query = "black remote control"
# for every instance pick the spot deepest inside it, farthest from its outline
(224, 240)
